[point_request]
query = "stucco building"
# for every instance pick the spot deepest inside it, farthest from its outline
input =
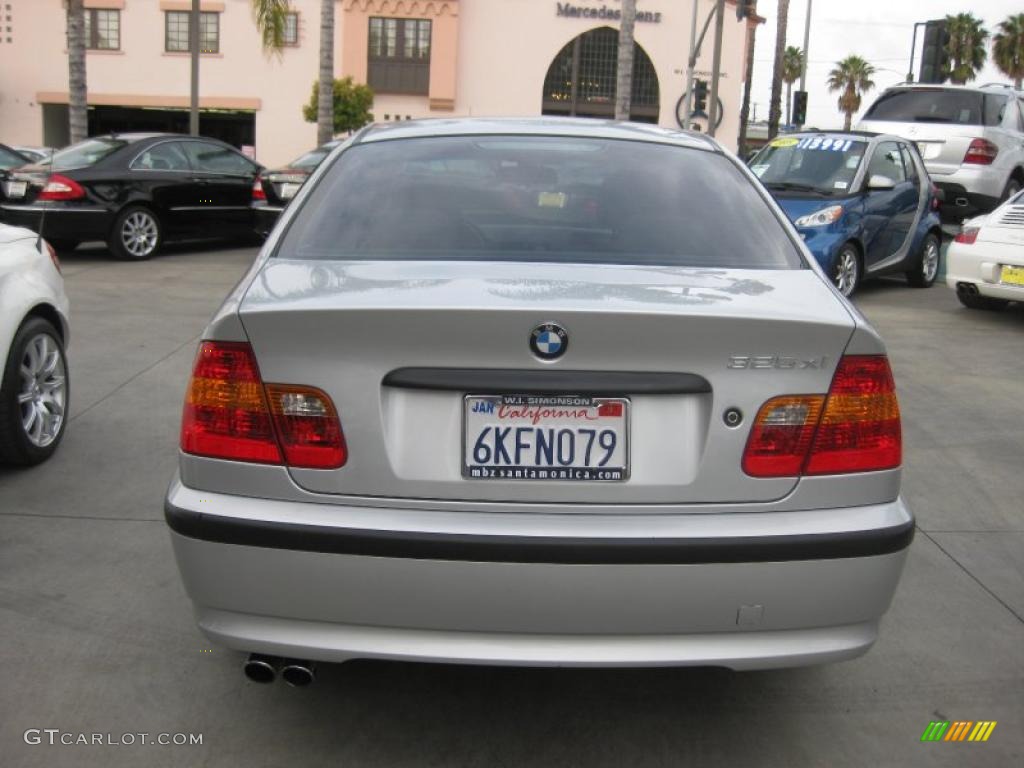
(423, 58)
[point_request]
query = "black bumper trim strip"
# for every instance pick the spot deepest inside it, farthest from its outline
(527, 549)
(527, 382)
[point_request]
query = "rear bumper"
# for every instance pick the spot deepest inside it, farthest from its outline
(62, 222)
(809, 593)
(959, 203)
(980, 265)
(265, 216)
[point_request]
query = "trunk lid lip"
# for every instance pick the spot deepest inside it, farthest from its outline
(279, 285)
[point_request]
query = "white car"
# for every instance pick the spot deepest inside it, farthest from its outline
(971, 139)
(33, 338)
(985, 263)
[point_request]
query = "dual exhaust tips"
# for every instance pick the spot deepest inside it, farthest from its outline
(261, 668)
(967, 289)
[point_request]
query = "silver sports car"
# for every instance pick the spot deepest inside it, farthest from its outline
(538, 392)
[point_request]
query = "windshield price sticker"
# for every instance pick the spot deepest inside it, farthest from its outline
(817, 142)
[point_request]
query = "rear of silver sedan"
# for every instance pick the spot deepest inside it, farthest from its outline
(541, 393)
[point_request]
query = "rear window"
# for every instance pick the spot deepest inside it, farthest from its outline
(309, 160)
(938, 105)
(9, 159)
(538, 199)
(85, 153)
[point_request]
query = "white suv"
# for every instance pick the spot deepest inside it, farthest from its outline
(971, 139)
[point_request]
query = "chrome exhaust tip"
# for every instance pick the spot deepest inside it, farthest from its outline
(261, 668)
(298, 674)
(962, 202)
(967, 289)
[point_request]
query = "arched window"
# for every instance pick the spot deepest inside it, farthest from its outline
(581, 79)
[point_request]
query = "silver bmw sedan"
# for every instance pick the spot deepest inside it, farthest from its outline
(538, 392)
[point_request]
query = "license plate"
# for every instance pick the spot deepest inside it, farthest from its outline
(1011, 275)
(929, 149)
(15, 188)
(545, 437)
(288, 191)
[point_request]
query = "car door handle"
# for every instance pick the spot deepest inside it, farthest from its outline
(200, 180)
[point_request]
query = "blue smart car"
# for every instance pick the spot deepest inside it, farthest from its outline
(862, 202)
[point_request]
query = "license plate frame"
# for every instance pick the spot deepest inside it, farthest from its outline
(15, 190)
(617, 469)
(1011, 274)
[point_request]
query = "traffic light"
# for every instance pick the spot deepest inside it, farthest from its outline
(744, 8)
(799, 107)
(700, 97)
(935, 56)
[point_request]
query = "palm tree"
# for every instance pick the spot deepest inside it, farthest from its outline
(624, 71)
(78, 112)
(775, 110)
(852, 78)
(966, 46)
(270, 20)
(1008, 48)
(792, 67)
(325, 103)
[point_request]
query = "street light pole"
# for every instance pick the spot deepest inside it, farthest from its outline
(691, 63)
(716, 68)
(193, 45)
(807, 42)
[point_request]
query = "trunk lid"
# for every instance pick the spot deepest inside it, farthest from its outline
(345, 326)
(1005, 225)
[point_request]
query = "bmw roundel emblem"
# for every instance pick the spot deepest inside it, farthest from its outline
(549, 341)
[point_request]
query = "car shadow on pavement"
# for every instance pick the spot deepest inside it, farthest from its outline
(499, 716)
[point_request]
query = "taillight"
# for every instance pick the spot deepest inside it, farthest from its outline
(61, 188)
(781, 436)
(936, 198)
(981, 152)
(855, 428)
(967, 235)
(226, 414)
(257, 190)
(307, 426)
(230, 414)
(860, 428)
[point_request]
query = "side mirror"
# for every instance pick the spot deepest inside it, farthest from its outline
(880, 182)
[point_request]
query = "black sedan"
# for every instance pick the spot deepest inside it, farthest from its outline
(280, 185)
(135, 191)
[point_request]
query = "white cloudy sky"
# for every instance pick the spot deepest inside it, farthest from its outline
(878, 30)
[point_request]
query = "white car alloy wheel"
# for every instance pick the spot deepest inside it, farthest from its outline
(42, 398)
(139, 233)
(846, 272)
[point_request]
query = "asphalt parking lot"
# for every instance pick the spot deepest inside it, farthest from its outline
(96, 633)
